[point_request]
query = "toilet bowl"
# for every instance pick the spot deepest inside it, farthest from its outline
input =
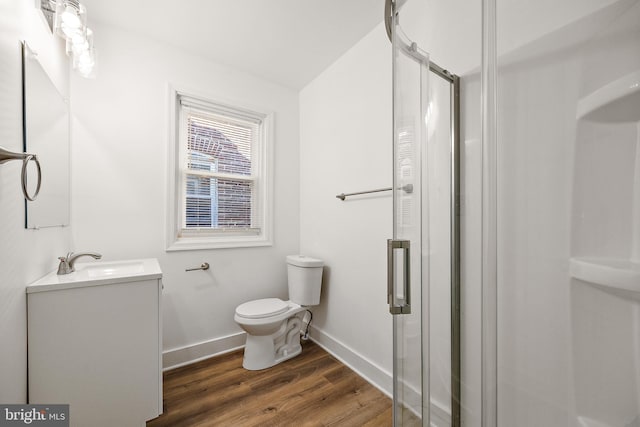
(273, 331)
(272, 325)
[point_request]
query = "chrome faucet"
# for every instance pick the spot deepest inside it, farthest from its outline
(66, 265)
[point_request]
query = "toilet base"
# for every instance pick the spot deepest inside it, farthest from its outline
(262, 352)
(258, 363)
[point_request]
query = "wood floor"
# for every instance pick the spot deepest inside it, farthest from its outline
(312, 389)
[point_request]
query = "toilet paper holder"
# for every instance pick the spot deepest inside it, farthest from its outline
(203, 266)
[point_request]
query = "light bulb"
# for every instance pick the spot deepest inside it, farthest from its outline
(84, 62)
(85, 70)
(71, 33)
(77, 38)
(70, 17)
(85, 59)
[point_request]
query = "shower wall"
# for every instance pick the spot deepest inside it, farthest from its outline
(567, 338)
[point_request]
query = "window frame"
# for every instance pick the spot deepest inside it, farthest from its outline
(179, 239)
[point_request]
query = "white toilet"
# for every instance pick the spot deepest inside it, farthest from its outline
(272, 325)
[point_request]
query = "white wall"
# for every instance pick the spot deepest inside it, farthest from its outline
(25, 255)
(120, 137)
(345, 126)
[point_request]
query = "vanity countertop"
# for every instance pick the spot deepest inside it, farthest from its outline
(99, 273)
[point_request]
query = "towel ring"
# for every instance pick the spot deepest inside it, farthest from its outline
(26, 161)
(6, 155)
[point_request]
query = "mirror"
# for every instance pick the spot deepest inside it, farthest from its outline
(46, 134)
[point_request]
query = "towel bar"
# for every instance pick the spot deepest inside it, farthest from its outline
(408, 188)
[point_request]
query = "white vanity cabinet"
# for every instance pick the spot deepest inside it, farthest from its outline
(95, 341)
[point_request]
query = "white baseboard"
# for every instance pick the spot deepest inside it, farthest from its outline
(187, 355)
(440, 415)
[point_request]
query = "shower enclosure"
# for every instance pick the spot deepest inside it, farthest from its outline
(566, 214)
(549, 333)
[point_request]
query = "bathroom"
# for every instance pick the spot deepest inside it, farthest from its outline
(527, 187)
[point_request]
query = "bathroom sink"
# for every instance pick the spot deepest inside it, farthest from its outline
(112, 269)
(99, 273)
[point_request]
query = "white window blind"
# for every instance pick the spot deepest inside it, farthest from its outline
(221, 156)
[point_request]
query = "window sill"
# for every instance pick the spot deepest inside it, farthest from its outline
(202, 243)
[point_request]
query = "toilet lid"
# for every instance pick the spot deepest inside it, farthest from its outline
(261, 308)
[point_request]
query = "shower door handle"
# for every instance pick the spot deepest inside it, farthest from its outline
(399, 299)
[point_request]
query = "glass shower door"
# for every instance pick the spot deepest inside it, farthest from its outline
(408, 292)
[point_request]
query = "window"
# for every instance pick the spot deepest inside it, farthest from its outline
(220, 192)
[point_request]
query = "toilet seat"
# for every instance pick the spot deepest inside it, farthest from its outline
(261, 308)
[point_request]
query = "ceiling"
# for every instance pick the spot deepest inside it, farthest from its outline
(288, 42)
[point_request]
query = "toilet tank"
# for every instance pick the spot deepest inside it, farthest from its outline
(305, 279)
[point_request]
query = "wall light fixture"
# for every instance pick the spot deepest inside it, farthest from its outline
(71, 24)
